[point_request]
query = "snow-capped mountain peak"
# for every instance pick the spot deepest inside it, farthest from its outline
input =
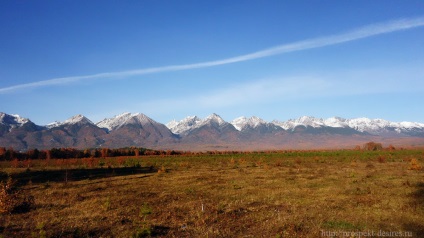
(172, 124)
(77, 119)
(186, 124)
(124, 119)
(20, 120)
(12, 121)
(139, 118)
(114, 122)
(192, 122)
(239, 122)
(301, 121)
(242, 122)
(367, 125)
(336, 122)
(211, 119)
(214, 118)
(310, 121)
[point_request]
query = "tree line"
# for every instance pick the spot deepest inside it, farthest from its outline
(72, 153)
(67, 153)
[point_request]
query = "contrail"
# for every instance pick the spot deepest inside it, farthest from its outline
(360, 33)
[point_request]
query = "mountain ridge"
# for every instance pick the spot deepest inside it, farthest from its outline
(137, 129)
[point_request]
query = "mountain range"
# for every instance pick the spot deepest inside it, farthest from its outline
(210, 133)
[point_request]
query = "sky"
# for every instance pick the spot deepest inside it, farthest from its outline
(277, 60)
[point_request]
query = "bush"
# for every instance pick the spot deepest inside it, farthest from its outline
(5, 197)
(381, 159)
(414, 165)
(372, 146)
(13, 200)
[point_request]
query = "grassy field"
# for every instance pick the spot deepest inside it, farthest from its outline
(273, 194)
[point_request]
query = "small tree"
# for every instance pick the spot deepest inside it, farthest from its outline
(105, 152)
(2, 152)
(391, 148)
(48, 154)
(372, 146)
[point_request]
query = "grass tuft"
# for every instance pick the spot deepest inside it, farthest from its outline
(415, 165)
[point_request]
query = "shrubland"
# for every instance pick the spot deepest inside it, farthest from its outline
(215, 194)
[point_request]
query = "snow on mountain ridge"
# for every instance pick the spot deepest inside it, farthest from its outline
(372, 126)
(20, 120)
(192, 122)
(363, 124)
(186, 124)
(336, 122)
(172, 124)
(376, 125)
(310, 121)
(367, 125)
(123, 119)
(242, 122)
(77, 119)
(12, 121)
(114, 122)
(301, 121)
(411, 125)
(212, 118)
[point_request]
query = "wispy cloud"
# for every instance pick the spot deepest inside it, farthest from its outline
(249, 93)
(264, 90)
(289, 89)
(356, 34)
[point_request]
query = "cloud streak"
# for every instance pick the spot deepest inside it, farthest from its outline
(356, 34)
(259, 91)
(288, 90)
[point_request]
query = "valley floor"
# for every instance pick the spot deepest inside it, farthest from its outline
(274, 194)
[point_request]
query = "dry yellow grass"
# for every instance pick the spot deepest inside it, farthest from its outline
(246, 195)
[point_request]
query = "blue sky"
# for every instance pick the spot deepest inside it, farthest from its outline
(171, 59)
